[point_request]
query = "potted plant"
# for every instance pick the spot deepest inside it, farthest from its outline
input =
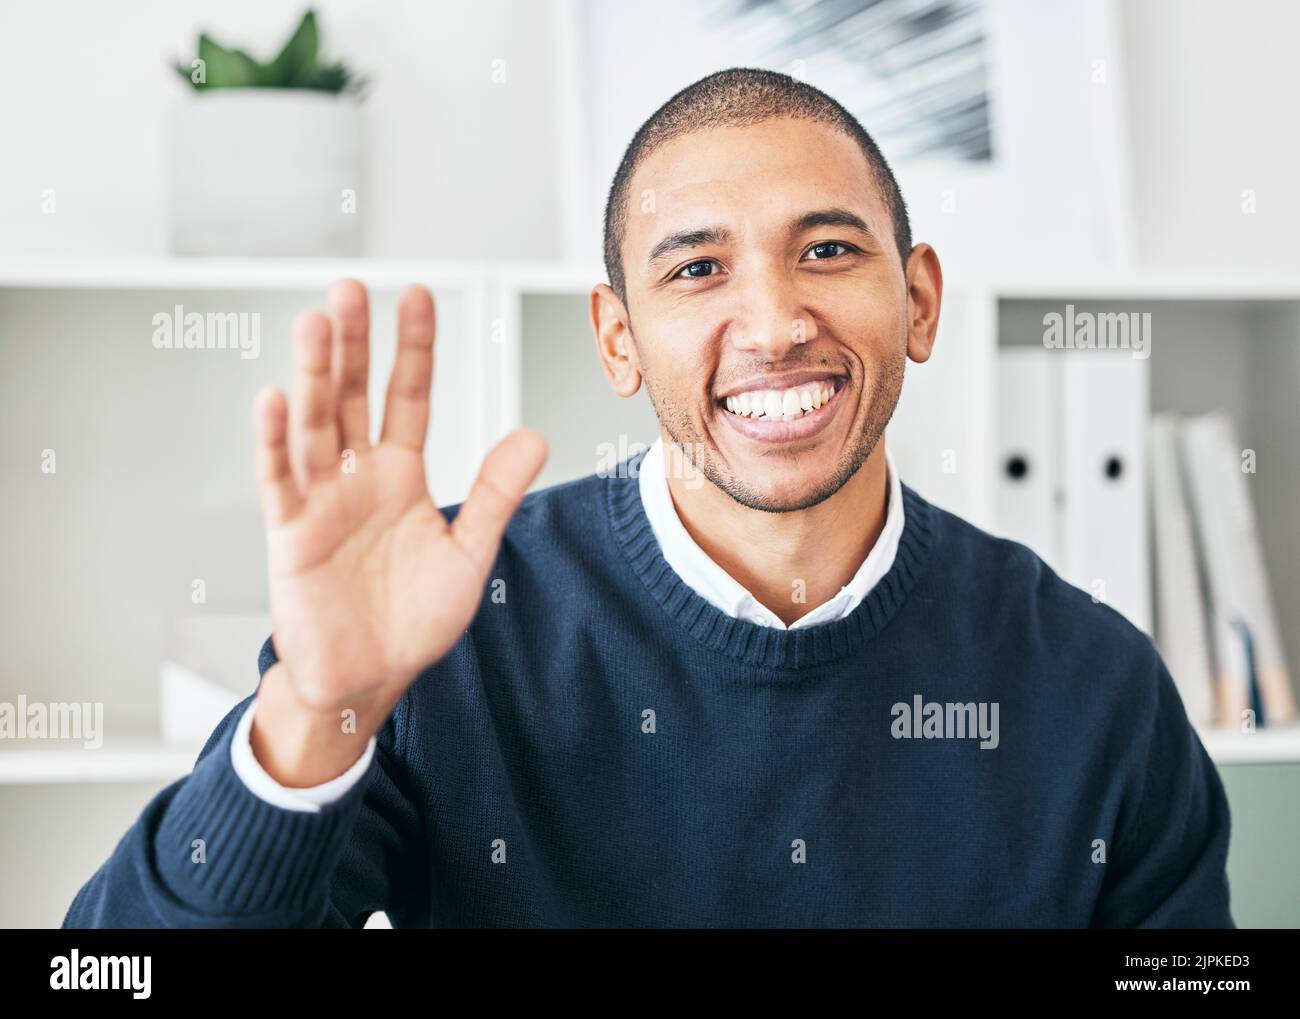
(266, 157)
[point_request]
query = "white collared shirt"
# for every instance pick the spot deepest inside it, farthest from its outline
(711, 582)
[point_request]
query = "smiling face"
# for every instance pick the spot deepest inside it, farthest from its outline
(769, 306)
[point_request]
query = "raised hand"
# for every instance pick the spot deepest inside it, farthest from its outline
(369, 584)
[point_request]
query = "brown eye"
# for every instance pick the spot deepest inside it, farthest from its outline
(689, 270)
(827, 249)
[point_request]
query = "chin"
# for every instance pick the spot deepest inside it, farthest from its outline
(775, 491)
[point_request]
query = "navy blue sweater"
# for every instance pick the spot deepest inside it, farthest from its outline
(606, 748)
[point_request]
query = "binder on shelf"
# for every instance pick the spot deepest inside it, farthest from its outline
(1102, 457)
(1026, 435)
(1250, 665)
(1181, 626)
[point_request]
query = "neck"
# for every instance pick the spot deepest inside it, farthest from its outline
(791, 562)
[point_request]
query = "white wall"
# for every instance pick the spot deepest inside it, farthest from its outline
(457, 165)
(461, 166)
(1142, 163)
(1212, 101)
(1054, 193)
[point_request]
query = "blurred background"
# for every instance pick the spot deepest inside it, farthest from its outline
(1111, 188)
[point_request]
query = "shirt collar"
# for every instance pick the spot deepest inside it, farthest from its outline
(711, 582)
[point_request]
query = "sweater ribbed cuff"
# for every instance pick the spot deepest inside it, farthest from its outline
(256, 860)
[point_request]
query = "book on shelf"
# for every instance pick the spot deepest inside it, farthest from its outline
(1216, 624)
(1180, 619)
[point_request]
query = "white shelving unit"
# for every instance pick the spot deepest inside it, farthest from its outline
(500, 324)
(1219, 343)
(140, 760)
(1264, 746)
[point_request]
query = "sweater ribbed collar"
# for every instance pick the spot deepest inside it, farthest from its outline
(747, 642)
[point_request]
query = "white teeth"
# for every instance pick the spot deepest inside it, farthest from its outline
(784, 404)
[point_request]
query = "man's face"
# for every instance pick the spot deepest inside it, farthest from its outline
(772, 345)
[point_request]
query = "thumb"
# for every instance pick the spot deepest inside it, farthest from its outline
(502, 481)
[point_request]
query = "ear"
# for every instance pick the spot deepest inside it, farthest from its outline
(924, 294)
(614, 342)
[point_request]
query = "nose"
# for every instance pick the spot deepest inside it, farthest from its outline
(769, 318)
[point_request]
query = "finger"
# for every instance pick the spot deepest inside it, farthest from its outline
(313, 435)
(276, 489)
(500, 486)
(350, 312)
(406, 407)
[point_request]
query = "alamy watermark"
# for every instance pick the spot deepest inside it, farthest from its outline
(77, 972)
(57, 720)
(217, 330)
(614, 460)
(924, 719)
(1110, 330)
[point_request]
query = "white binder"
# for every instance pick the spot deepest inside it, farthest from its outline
(1026, 434)
(1102, 425)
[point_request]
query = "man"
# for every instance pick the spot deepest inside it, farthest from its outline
(795, 693)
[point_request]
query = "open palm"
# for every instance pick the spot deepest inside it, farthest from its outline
(369, 584)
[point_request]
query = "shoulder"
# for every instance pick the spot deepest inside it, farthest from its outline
(1011, 599)
(1084, 681)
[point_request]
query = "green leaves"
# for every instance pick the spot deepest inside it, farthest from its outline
(296, 62)
(226, 68)
(297, 65)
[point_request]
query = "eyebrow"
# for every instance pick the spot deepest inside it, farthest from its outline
(830, 217)
(721, 235)
(689, 239)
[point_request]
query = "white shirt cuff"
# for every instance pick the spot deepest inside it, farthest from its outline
(310, 798)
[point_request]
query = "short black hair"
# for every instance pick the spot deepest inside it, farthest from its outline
(739, 97)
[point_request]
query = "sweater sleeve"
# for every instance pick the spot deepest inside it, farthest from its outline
(207, 851)
(1170, 856)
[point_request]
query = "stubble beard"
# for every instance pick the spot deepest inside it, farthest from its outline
(693, 444)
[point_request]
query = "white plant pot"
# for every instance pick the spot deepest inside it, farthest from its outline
(259, 171)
